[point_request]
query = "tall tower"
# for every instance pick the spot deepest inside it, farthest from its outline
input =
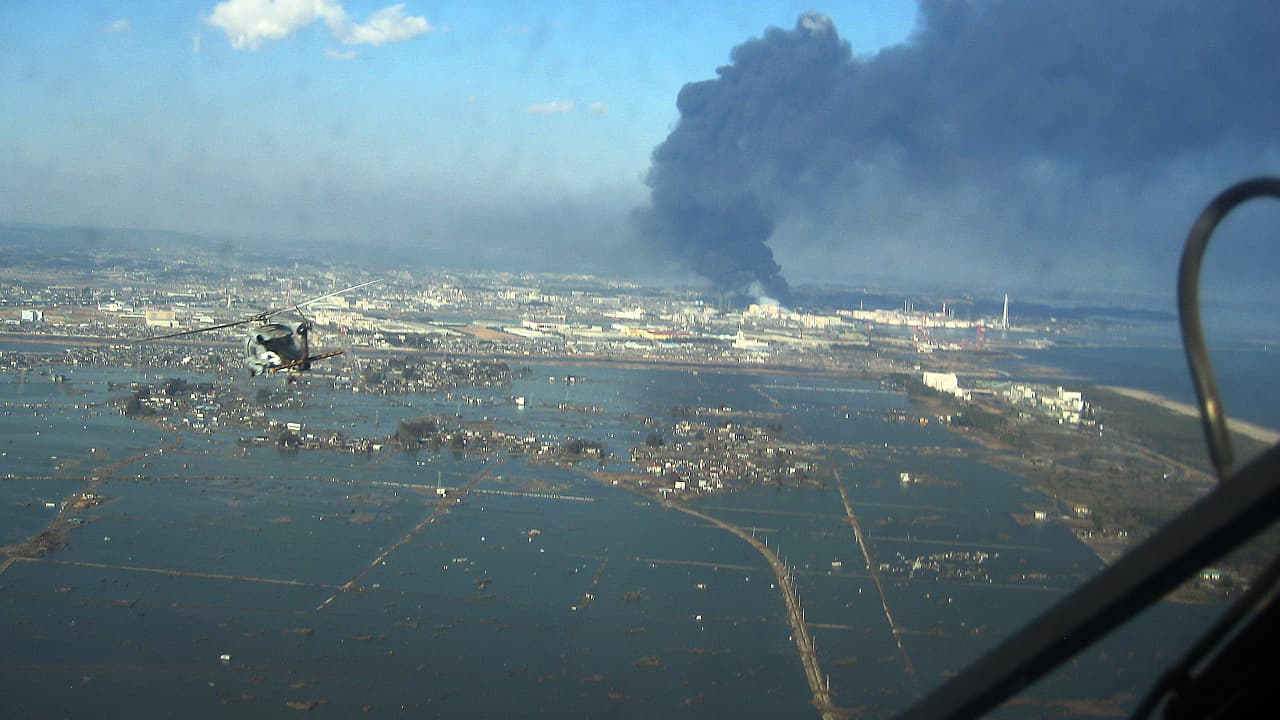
(1004, 318)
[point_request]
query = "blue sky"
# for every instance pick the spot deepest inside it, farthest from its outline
(149, 115)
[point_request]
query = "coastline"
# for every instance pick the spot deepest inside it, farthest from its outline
(1251, 430)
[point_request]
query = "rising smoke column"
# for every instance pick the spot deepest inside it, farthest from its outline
(1002, 131)
(706, 207)
(722, 241)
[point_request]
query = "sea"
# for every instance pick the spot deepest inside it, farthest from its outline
(1147, 357)
(220, 579)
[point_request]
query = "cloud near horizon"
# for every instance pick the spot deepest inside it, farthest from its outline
(554, 107)
(248, 23)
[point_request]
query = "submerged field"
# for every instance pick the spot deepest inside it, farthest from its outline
(209, 573)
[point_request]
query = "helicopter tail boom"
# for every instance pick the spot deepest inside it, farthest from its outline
(303, 363)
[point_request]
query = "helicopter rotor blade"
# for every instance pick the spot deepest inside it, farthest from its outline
(199, 330)
(261, 317)
(298, 306)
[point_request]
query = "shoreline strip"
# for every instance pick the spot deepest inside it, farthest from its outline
(1250, 430)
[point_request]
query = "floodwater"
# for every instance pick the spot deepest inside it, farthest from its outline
(218, 579)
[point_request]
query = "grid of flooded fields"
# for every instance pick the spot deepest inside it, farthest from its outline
(192, 572)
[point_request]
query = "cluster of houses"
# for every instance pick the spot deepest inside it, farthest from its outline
(706, 457)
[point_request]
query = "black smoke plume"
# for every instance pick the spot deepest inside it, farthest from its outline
(1058, 140)
(722, 241)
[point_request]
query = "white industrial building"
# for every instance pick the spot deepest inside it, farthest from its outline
(942, 382)
(161, 318)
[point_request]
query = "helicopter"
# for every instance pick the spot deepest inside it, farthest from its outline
(271, 347)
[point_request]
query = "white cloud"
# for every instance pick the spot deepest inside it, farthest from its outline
(551, 108)
(340, 54)
(195, 43)
(390, 24)
(597, 109)
(248, 23)
(117, 26)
